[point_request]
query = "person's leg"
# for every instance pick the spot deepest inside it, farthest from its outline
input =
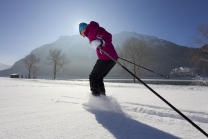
(101, 86)
(93, 77)
(94, 87)
(108, 66)
(100, 70)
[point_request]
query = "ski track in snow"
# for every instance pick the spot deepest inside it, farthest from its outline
(167, 112)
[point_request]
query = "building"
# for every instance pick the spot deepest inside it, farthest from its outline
(14, 75)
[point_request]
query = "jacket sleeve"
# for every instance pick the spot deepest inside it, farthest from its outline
(94, 31)
(92, 34)
(97, 32)
(104, 35)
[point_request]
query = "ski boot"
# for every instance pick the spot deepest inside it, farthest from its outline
(95, 92)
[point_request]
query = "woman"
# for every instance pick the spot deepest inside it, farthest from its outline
(99, 37)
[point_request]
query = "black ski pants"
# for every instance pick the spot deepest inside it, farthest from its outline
(100, 70)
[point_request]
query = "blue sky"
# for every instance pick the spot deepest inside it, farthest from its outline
(28, 24)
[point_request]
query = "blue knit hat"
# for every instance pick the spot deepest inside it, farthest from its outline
(82, 26)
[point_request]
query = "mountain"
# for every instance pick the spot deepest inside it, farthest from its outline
(83, 57)
(3, 66)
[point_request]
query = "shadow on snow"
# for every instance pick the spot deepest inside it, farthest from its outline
(123, 127)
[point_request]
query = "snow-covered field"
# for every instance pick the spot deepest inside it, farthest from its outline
(46, 109)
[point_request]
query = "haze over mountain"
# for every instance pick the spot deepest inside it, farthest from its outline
(83, 57)
(4, 66)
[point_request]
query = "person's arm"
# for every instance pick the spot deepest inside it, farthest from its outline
(97, 43)
(104, 35)
(94, 39)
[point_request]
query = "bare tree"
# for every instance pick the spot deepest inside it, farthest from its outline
(35, 72)
(30, 63)
(201, 36)
(137, 51)
(198, 57)
(57, 60)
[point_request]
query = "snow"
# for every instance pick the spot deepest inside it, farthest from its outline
(48, 109)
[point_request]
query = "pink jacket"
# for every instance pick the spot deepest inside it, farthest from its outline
(94, 32)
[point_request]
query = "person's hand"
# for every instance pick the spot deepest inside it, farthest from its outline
(96, 43)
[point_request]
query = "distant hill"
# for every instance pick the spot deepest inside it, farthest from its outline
(83, 57)
(3, 66)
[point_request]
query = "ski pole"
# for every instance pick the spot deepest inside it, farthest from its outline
(153, 91)
(145, 68)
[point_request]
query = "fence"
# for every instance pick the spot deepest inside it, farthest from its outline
(149, 81)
